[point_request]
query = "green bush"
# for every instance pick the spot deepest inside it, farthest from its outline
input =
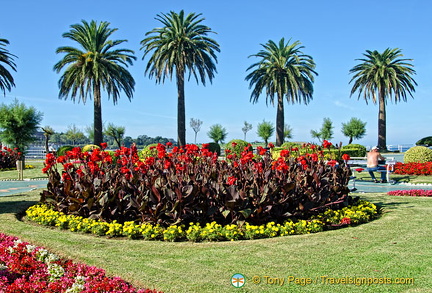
(418, 154)
(63, 149)
(237, 146)
(425, 141)
(215, 148)
(149, 151)
(89, 148)
(354, 150)
(289, 144)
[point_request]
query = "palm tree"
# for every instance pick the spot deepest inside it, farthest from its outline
(93, 67)
(47, 132)
(284, 71)
(6, 79)
(180, 45)
(383, 76)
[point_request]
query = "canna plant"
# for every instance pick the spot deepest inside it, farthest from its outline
(190, 184)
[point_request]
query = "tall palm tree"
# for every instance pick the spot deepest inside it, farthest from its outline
(6, 79)
(180, 45)
(383, 76)
(284, 71)
(94, 67)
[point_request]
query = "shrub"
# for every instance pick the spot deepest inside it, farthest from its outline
(288, 145)
(354, 150)
(8, 158)
(214, 147)
(425, 141)
(90, 147)
(191, 185)
(236, 147)
(63, 149)
(149, 151)
(418, 154)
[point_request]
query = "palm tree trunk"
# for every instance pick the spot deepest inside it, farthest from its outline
(97, 140)
(280, 121)
(181, 112)
(382, 137)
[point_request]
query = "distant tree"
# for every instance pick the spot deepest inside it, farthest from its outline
(196, 126)
(381, 77)
(181, 44)
(217, 133)
(47, 132)
(18, 125)
(6, 79)
(246, 128)
(94, 67)
(128, 141)
(115, 132)
(74, 135)
(283, 71)
(265, 130)
(354, 129)
(326, 131)
(287, 132)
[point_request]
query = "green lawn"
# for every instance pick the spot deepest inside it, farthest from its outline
(397, 245)
(34, 173)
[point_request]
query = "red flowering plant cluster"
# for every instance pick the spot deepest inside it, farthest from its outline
(411, 192)
(31, 269)
(8, 157)
(190, 184)
(413, 168)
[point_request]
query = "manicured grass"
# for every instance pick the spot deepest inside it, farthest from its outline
(34, 173)
(395, 246)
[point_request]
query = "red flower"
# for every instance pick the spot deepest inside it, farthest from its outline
(261, 150)
(326, 144)
(104, 145)
(285, 153)
(345, 157)
(231, 180)
(345, 221)
(359, 169)
(332, 163)
(168, 144)
(270, 145)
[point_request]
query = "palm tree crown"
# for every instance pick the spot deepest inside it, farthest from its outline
(94, 66)
(283, 71)
(180, 45)
(6, 79)
(383, 76)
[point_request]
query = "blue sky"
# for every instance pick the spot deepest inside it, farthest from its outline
(334, 33)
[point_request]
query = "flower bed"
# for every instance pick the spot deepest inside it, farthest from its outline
(8, 158)
(359, 213)
(189, 184)
(411, 192)
(27, 268)
(413, 168)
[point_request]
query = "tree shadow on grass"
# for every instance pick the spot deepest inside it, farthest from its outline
(17, 207)
(386, 206)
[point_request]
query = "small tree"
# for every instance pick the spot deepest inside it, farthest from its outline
(217, 133)
(196, 126)
(265, 130)
(326, 131)
(47, 131)
(18, 124)
(246, 128)
(73, 134)
(287, 132)
(354, 129)
(115, 132)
